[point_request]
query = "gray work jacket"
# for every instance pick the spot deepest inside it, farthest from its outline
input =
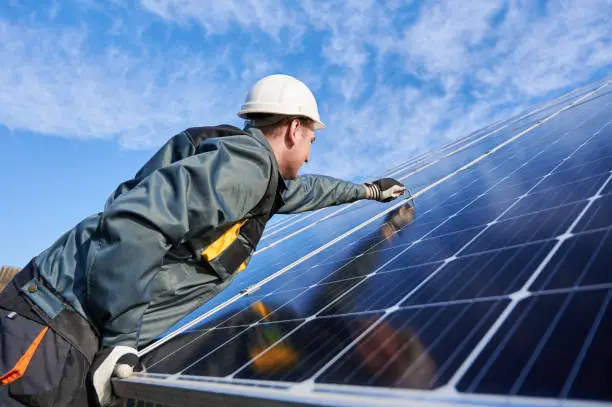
(110, 267)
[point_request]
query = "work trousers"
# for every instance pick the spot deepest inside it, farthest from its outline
(44, 361)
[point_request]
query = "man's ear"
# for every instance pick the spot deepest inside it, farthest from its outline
(293, 132)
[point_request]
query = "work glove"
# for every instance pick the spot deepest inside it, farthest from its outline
(385, 189)
(118, 361)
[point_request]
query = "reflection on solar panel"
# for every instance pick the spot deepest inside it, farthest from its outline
(498, 292)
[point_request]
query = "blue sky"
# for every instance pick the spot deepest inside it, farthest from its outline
(88, 89)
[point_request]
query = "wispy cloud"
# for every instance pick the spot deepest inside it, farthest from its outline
(393, 78)
(52, 82)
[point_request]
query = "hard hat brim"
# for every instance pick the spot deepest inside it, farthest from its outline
(243, 114)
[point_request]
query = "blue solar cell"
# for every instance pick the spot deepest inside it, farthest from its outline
(434, 249)
(598, 216)
(312, 345)
(581, 260)
(238, 350)
(183, 351)
(417, 348)
(543, 198)
(539, 349)
(272, 303)
(470, 219)
(584, 168)
(488, 274)
(541, 225)
(380, 291)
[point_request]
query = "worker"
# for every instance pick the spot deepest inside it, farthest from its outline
(167, 241)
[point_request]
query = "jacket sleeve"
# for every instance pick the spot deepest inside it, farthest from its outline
(309, 192)
(216, 187)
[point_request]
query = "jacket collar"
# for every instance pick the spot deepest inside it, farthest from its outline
(259, 136)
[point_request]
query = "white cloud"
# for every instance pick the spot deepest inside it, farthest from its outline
(442, 38)
(537, 55)
(51, 83)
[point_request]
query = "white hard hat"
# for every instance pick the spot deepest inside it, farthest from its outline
(281, 95)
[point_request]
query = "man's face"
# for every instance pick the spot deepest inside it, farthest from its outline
(300, 151)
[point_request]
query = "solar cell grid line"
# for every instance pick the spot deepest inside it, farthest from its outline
(605, 94)
(562, 121)
(220, 324)
(446, 207)
(538, 112)
(243, 318)
(522, 293)
(459, 140)
(545, 105)
(570, 229)
(314, 316)
(251, 289)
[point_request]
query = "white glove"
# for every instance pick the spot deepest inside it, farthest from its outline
(385, 189)
(120, 362)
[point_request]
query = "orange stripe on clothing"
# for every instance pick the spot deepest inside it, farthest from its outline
(22, 364)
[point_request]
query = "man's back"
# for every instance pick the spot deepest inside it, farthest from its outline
(115, 266)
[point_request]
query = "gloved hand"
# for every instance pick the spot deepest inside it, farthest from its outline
(118, 361)
(385, 189)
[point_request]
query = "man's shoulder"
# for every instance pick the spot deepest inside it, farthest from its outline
(233, 139)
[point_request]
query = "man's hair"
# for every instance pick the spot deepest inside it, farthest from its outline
(267, 122)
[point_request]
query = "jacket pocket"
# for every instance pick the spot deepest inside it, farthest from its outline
(32, 360)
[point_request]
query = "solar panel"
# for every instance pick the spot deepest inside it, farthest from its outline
(499, 291)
